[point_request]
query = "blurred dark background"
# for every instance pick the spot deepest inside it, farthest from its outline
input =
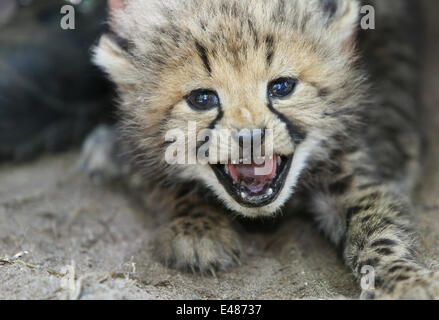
(51, 95)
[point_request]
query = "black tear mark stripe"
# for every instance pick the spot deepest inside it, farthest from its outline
(213, 125)
(217, 119)
(203, 55)
(295, 132)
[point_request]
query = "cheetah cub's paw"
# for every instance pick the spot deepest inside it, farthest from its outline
(205, 244)
(423, 286)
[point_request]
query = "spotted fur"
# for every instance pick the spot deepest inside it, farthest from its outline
(353, 123)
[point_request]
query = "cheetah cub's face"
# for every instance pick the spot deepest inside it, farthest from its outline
(284, 67)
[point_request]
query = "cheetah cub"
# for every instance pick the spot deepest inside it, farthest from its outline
(340, 104)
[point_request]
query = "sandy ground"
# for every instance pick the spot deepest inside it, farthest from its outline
(53, 222)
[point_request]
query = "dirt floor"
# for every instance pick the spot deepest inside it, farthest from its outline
(54, 221)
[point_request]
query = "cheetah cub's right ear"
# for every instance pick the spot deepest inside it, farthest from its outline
(112, 52)
(343, 18)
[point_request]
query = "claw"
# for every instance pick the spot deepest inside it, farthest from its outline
(212, 271)
(237, 260)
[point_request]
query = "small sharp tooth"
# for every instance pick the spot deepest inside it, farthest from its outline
(279, 161)
(270, 192)
(243, 195)
(226, 169)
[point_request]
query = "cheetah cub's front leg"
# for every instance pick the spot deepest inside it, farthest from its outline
(378, 234)
(197, 237)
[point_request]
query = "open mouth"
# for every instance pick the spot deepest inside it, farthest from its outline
(254, 185)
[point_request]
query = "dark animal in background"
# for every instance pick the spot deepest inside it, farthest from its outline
(51, 95)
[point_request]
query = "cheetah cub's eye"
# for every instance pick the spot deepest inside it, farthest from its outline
(281, 88)
(202, 100)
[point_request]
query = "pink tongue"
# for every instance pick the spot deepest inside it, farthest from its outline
(254, 180)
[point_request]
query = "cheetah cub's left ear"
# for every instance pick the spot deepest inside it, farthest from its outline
(343, 19)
